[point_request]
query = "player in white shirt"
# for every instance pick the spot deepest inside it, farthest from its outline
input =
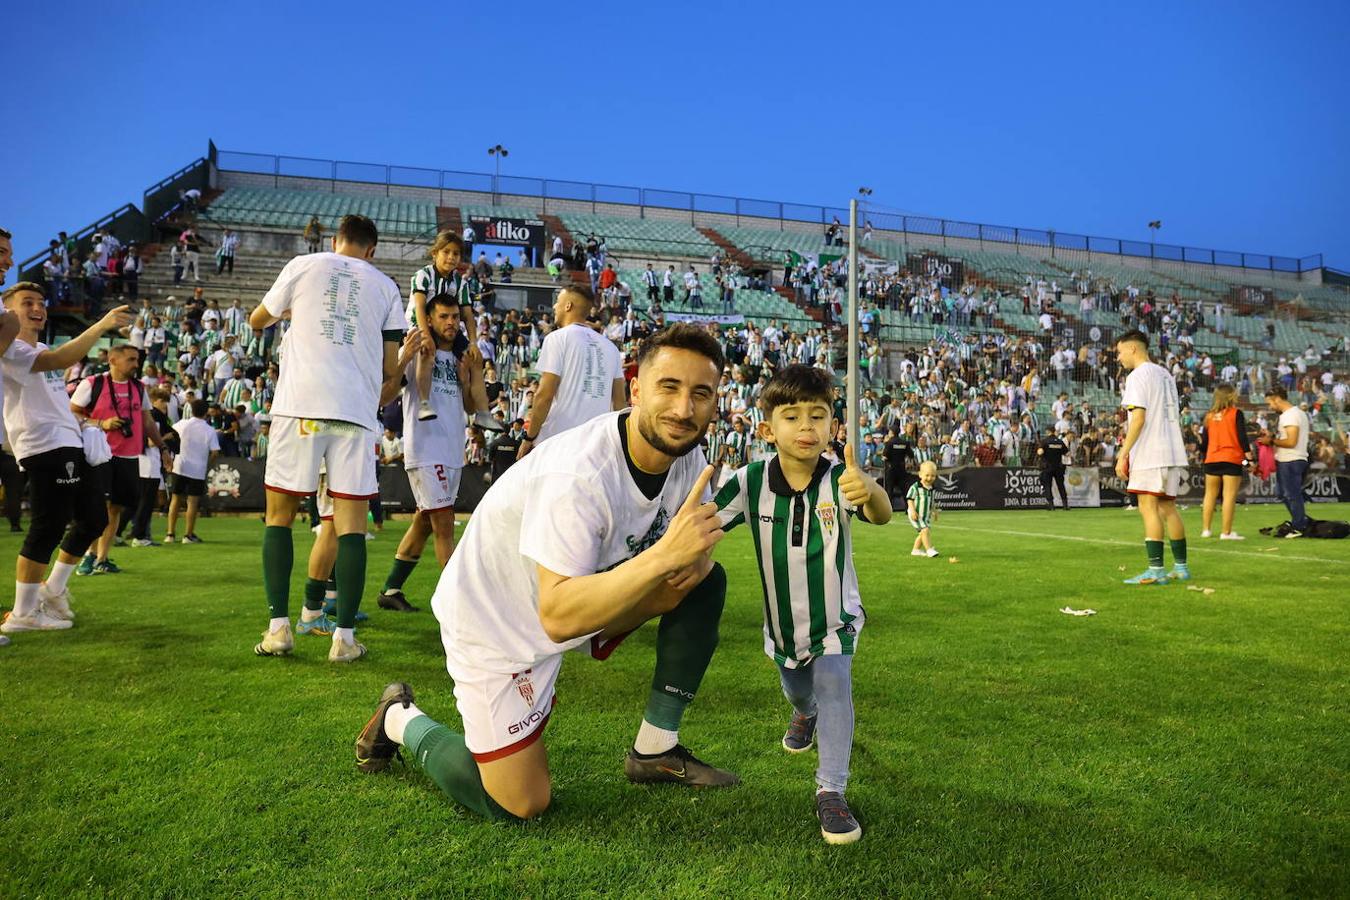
(580, 371)
(64, 489)
(346, 324)
(198, 445)
(1291, 456)
(1153, 457)
(574, 548)
(433, 450)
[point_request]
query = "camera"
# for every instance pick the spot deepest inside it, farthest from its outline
(126, 429)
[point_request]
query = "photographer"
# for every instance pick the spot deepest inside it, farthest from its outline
(226, 428)
(116, 403)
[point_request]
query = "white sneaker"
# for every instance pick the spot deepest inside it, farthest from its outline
(1231, 536)
(916, 553)
(932, 553)
(370, 535)
(424, 412)
(142, 542)
(56, 604)
(38, 621)
(275, 643)
(168, 539)
(1207, 533)
(345, 651)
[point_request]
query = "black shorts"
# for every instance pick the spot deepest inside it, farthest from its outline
(1223, 468)
(189, 487)
(124, 481)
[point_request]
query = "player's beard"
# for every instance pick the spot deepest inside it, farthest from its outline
(647, 428)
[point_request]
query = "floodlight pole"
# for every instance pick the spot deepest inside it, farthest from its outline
(852, 382)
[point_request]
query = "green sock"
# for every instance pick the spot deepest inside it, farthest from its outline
(1155, 553)
(350, 575)
(1179, 552)
(442, 755)
(278, 554)
(399, 573)
(685, 642)
(313, 593)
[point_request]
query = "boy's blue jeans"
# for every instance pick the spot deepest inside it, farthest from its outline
(824, 688)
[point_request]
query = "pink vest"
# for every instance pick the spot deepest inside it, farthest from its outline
(123, 401)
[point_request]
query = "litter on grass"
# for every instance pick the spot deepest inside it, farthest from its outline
(1070, 611)
(952, 559)
(1268, 549)
(1200, 590)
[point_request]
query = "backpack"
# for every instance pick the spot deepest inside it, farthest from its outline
(1329, 530)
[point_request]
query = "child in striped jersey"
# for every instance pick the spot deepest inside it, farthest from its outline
(797, 505)
(922, 510)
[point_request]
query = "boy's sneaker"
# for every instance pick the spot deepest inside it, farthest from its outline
(39, 620)
(932, 552)
(107, 567)
(1206, 533)
(374, 749)
(396, 601)
(424, 411)
(801, 733)
(275, 643)
(678, 766)
(86, 566)
(1179, 573)
(142, 542)
(1231, 536)
(56, 604)
(837, 825)
(917, 553)
(191, 539)
(346, 651)
(169, 539)
(1149, 576)
(321, 625)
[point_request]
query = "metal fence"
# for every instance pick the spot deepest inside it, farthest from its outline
(337, 171)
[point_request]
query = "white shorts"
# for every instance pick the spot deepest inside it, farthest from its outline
(434, 487)
(322, 500)
(1164, 482)
(300, 446)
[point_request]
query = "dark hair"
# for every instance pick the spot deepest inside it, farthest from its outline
(682, 336)
(1277, 391)
(797, 384)
(358, 230)
(199, 407)
(1136, 336)
(7, 236)
(581, 290)
(23, 286)
(443, 299)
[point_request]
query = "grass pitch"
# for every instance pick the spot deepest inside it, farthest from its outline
(1176, 743)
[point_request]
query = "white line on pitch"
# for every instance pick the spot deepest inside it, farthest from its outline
(1203, 548)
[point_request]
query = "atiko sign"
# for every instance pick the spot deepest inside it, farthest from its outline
(526, 233)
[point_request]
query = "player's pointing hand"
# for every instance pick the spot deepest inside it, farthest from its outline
(693, 531)
(854, 483)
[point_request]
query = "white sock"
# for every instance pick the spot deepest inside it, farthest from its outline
(396, 718)
(278, 623)
(60, 576)
(26, 600)
(309, 615)
(346, 635)
(651, 739)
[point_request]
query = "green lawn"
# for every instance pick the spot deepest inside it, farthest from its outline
(1177, 743)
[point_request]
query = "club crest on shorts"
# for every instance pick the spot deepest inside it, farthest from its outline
(521, 680)
(826, 512)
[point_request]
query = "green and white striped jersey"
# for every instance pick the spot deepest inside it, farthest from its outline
(427, 280)
(811, 603)
(922, 498)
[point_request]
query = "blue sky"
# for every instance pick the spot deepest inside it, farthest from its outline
(1228, 121)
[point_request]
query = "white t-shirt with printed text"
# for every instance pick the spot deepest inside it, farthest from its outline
(587, 365)
(438, 441)
(1152, 388)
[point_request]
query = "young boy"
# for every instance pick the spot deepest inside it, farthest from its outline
(797, 504)
(921, 510)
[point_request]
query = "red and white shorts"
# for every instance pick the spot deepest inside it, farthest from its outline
(300, 447)
(1164, 482)
(505, 713)
(434, 487)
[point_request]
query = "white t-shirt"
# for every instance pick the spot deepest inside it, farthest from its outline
(37, 407)
(587, 365)
(571, 507)
(1152, 388)
(438, 441)
(196, 440)
(341, 307)
(221, 363)
(1296, 417)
